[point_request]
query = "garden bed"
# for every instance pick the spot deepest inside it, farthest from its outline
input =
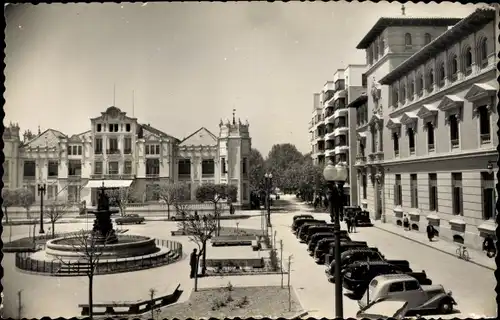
(231, 302)
(240, 267)
(232, 231)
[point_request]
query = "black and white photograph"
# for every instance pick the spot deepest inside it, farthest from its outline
(250, 159)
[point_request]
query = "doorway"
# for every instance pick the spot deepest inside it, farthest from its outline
(378, 200)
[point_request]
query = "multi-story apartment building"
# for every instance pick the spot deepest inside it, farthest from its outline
(429, 128)
(121, 152)
(388, 43)
(317, 130)
(331, 125)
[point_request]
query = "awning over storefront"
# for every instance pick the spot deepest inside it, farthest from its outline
(109, 183)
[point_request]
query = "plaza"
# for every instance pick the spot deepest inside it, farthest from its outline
(474, 293)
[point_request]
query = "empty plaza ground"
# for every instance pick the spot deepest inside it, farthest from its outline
(472, 285)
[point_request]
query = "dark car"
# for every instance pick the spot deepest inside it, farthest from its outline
(302, 216)
(321, 252)
(330, 253)
(306, 236)
(129, 219)
(362, 219)
(315, 238)
(358, 275)
(303, 229)
(353, 255)
(299, 223)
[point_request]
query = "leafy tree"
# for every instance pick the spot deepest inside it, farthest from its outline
(120, 197)
(200, 230)
(10, 199)
(26, 199)
(54, 211)
(280, 158)
(213, 193)
(171, 193)
(257, 170)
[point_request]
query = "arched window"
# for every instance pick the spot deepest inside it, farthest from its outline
(427, 38)
(483, 53)
(403, 93)
(453, 70)
(381, 46)
(420, 84)
(408, 40)
(467, 61)
(395, 97)
(441, 75)
(430, 80)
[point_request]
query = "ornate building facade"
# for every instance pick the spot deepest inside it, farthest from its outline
(120, 152)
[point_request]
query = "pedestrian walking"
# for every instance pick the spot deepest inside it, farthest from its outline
(231, 209)
(193, 263)
(353, 223)
(430, 231)
(406, 223)
(349, 226)
(196, 216)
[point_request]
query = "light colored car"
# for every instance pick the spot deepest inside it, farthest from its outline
(129, 219)
(384, 309)
(404, 287)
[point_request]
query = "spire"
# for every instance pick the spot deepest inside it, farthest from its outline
(403, 9)
(234, 116)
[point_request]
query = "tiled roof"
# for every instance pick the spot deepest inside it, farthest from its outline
(469, 24)
(49, 137)
(402, 21)
(157, 132)
(358, 101)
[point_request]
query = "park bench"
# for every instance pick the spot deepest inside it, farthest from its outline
(163, 297)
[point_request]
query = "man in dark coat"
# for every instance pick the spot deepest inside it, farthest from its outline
(349, 226)
(430, 231)
(192, 262)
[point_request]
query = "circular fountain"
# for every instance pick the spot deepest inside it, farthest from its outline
(116, 251)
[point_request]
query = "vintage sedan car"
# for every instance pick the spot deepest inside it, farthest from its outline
(181, 216)
(297, 223)
(129, 219)
(353, 255)
(314, 230)
(358, 275)
(362, 219)
(384, 309)
(302, 232)
(302, 216)
(407, 288)
(330, 252)
(317, 237)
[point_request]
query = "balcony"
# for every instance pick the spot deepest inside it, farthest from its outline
(455, 143)
(341, 149)
(340, 131)
(379, 156)
(74, 177)
(101, 176)
(412, 150)
(371, 158)
(29, 178)
(113, 152)
(430, 147)
(330, 153)
(485, 138)
(360, 160)
(208, 175)
(187, 175)
(98, 151)
(127, 151)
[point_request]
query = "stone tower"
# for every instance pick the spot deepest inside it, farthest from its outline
(12, 164)
(234, 152)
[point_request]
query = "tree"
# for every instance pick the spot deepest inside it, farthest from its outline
(280, 158)
(120, 197)
(200, 231)
(54, 211)
(10, 199)
(171, 193)
(257, 170)
(89, 251)
(210, 192)
(26, 199)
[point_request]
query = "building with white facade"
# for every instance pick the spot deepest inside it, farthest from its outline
(121, 152)
(333, 122)
(427, 128)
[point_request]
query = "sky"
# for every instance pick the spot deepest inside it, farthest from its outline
(187, 65)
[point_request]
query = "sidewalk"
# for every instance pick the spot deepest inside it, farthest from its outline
(476, 257)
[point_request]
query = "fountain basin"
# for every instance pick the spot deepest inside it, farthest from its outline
(127, 246)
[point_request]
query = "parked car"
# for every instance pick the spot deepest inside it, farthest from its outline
(384, 309)
(313, 243)
(315, 238)
(129, 219)
(315, 229)
(300, 222)
(407, 288)
(330, 251)
(353, 255)
(303, 216)
(358, 275)
(303, 229)
(320, 256)
(362, 219)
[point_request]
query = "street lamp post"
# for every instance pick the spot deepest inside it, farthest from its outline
(41, 191)
(336, 176)
(268, 178)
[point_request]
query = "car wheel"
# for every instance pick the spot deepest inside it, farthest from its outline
(445, 307)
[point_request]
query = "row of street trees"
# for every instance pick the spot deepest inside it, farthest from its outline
(20, 197)
(292, 171)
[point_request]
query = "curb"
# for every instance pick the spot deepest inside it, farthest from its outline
(432, 247)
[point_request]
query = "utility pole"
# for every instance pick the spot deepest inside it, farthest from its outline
(274, 239)
(281, 262)
(289, 289)
(152, 292)
(19, 305)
